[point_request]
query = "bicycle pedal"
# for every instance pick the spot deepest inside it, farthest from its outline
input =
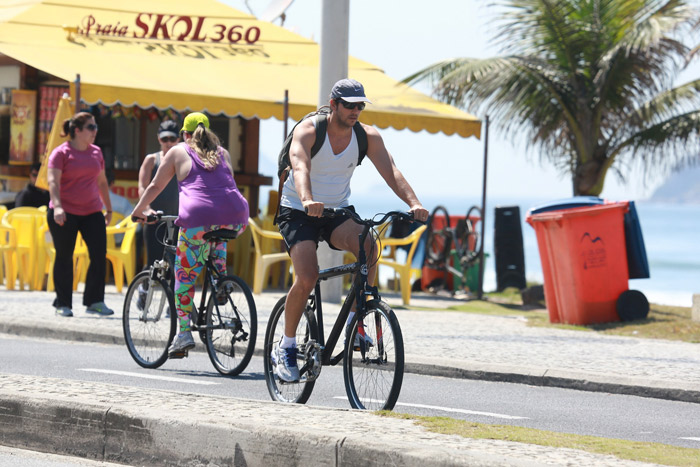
(178, 354)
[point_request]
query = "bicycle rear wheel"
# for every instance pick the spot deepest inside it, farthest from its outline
(374, 374)
(306, 330)
(232, 327)
(438, 243)
(471, 243)
(149, 320)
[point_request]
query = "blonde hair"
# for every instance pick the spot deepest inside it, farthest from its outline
(206, 144)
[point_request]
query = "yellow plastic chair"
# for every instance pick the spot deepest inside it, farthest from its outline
(264, 258)
(122, 257)
(8, 255)
(403, 269)
(26, 222)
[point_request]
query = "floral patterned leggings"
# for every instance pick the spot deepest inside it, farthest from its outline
(192, 254)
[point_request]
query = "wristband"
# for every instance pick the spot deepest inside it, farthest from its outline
(109, 212)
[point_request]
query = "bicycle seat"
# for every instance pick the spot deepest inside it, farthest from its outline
(221, 234)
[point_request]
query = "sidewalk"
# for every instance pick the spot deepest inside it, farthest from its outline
(436, 342)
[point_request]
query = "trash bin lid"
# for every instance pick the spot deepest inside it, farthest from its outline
(566, 203)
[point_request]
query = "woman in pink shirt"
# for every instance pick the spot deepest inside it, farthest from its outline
(78, 188)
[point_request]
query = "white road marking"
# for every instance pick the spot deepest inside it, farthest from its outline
(690, 438)
(449, 409)
(141, 375)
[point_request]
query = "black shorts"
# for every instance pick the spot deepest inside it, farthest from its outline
(296, 226)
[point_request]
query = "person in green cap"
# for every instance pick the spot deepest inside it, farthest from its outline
(208, 200)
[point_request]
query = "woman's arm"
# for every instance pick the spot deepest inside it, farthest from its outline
(104, 194)
(53, 177)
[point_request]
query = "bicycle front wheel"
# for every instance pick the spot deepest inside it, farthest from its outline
(373, 369)
(307, 329)
(149, 320)
(232, 326)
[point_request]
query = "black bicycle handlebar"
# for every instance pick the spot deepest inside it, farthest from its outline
(155, 217)
(332, 212)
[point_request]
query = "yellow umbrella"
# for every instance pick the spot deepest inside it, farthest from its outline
(64, 111)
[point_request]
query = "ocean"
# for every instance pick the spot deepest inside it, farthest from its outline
(670, 233)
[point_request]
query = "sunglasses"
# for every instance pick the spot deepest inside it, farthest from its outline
(169, 139)
(352, 105)
(34, 174)
(91, 127)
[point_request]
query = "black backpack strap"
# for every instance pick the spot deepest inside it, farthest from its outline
(362, 144)
(321, 128)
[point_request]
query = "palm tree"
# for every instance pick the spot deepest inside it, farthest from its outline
(588, 82)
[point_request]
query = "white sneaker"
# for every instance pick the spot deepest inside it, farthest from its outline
(359, 338)
(285, 361)
(181, 345)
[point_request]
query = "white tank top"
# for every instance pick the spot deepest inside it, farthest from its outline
(330, 176)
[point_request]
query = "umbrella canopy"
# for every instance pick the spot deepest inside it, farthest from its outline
(64, 111)
(199, 56)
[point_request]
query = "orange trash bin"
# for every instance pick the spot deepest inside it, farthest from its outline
(584, 261)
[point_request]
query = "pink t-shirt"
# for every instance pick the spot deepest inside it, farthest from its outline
(80, 194)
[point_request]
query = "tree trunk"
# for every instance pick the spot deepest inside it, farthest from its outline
(589, 178)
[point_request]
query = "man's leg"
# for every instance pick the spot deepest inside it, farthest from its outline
(345, 237)
(305, 263)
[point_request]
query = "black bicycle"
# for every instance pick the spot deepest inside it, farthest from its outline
(226, 318)
(448, 245)
(373, 366)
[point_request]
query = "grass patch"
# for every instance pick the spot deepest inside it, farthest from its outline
(663, 322)
(657, 453)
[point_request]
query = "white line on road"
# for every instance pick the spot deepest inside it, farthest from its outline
(690, 439)
(449, 409)
(141, 375)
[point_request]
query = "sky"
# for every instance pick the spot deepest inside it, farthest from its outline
(401, 37)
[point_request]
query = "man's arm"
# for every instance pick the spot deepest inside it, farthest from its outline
(300, 160)
(384, 163)
(165, 172)
(145, 175)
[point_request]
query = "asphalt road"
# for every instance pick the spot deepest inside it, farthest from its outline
(554, 409)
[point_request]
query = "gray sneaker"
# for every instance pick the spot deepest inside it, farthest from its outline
(285, 361)
(100, 309)
(182, 343)
(64, 311)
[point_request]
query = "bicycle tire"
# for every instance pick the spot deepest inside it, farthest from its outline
(231, 332)
(148, 332)
(438, 243)
(307, 329)
(374, 375)
(472, 247)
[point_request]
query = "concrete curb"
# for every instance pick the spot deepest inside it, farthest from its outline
(117, 424)
(581, 381)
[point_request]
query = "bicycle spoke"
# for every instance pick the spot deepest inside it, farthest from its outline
(148, 329)
(231, 326)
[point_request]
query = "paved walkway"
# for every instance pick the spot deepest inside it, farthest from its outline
(437, 342)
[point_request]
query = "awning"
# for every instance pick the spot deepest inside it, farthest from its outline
(199, 56)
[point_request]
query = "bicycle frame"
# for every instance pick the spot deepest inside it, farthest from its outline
(359, 284)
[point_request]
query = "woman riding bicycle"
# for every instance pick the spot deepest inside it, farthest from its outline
(325, 182)
(209, 200)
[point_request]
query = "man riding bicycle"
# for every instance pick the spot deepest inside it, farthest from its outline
(326, 183)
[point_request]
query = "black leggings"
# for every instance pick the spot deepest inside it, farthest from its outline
(92, 228)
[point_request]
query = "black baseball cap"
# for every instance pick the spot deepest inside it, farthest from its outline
(168, 128)
(349, 90)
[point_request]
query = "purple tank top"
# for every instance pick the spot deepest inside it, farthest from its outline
(210, 197)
